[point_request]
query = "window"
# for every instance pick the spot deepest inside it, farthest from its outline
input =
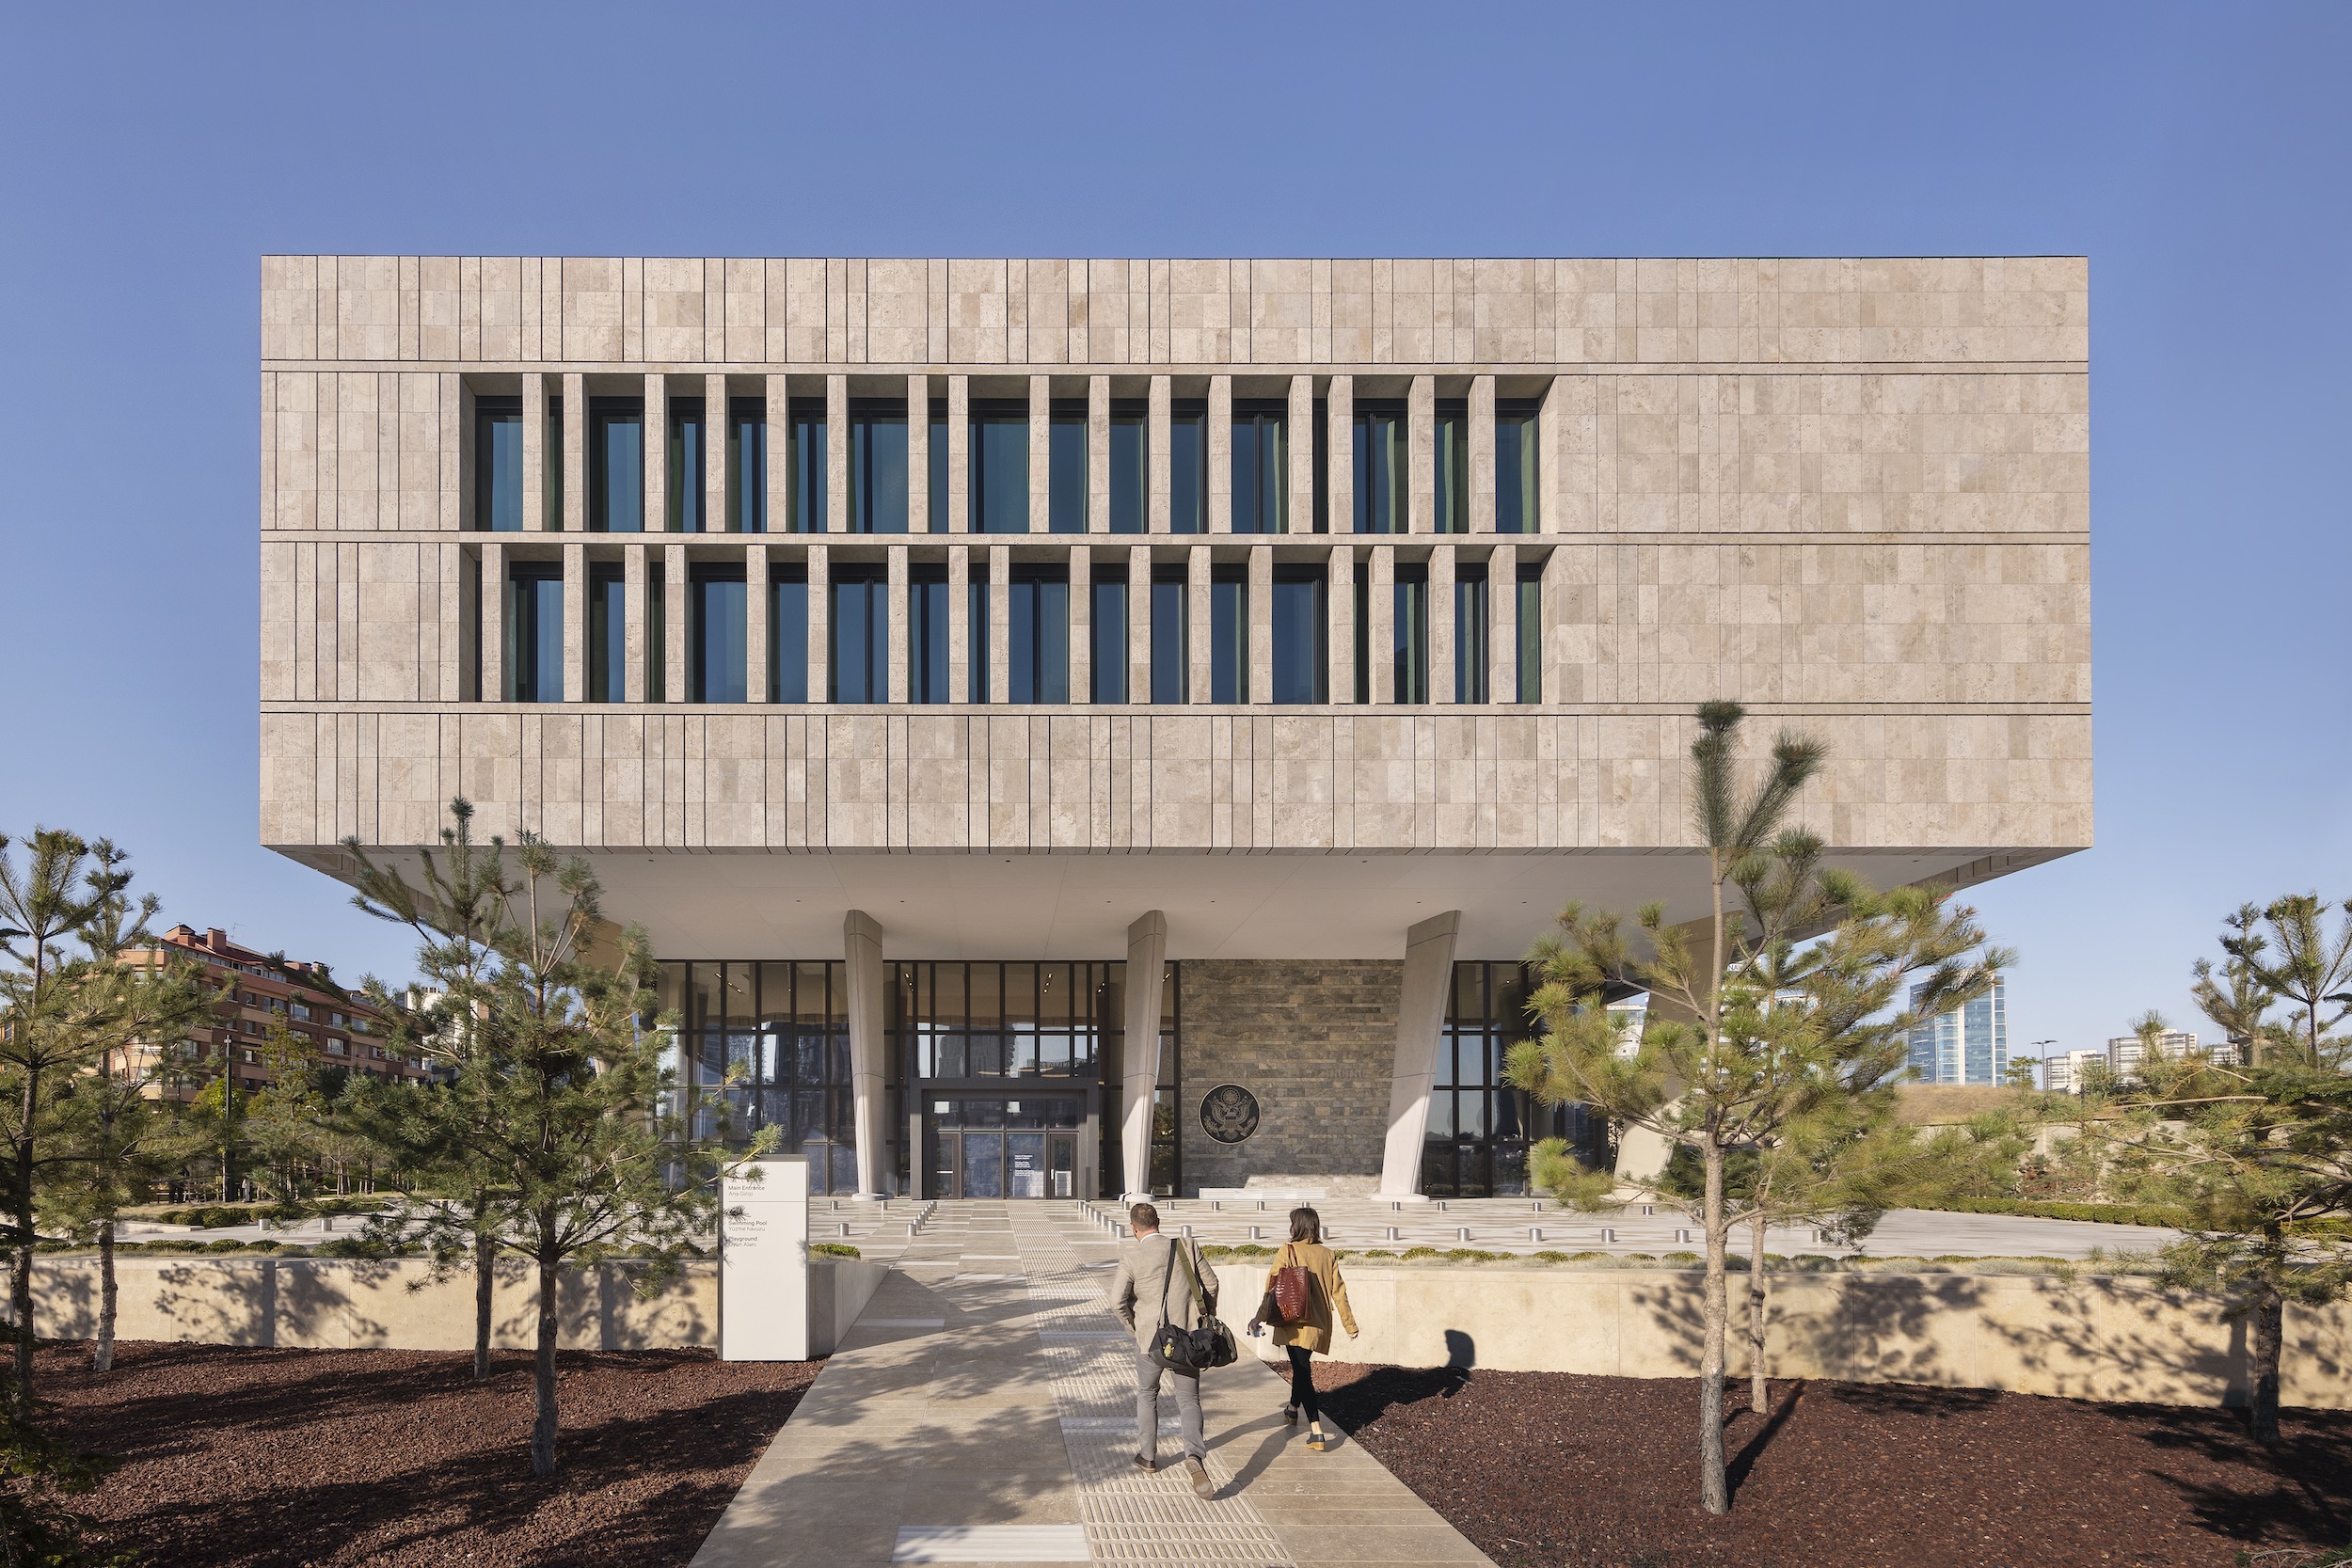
(805, 454)
(1301, 630)
(1040, 629)
(616, 473)
(1530, 629)
(551, 467)
(687, 429)
(1410, 633)
(788, 634)
(1188, 467)
(877, 469)
(657, 634)
(859, 628)
(1228, 634)
(534, 632)
(1469, 633)
(1517, 470)
(299, 1011)
(718, 654)
(338, 1020)
(608, 632)
(999, 477)
(927, 633)
(1130, 507)
(937, 500)
(1108, 626)
(1260, 469)
(338, 1048)
(747, 466)
(769, 1042)
(1066, 468)
(498, 465)
(1380, 467)
(976, 633)
(1363, 633)
(1320, 478)
(1453, 468)
(1171, 635)
(1479, 1128)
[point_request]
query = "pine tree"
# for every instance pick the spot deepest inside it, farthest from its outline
(2297, 960)
(556, 1120)
(1756, 1050)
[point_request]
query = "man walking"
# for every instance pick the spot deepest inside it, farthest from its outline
(1153, 1288)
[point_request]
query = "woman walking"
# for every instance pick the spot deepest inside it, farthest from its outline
(1302, 1291)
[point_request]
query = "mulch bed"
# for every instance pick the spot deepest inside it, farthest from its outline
(1546, 1469)
(280, 1458)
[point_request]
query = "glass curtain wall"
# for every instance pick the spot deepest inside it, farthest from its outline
(498, 465)
(1040, 630)
(935, 462)
(1260, 468)
(784, 1029)
(1302, 657)
(859, 627)
(1470, 646)
(1479, 1128)
(1171, 635)
(805, 456)
(1228, 634)
(716, 634)
(747, 466)
(1517, 470)
(878, 467)
(616, 465)
(976, 631)
(1188, 467)
(1066, 468)
(1530, 632)
(551, 460)
(1453, 467)
(1131, 468)
(1409, 627)
(999, 465)
(927, 633)
(788, 634)
(687, 428)
(608, 632)
(1380, 462)
(1107, 624)
(534, 632)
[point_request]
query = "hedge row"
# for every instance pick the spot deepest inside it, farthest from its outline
(2102, 1213)
(212, 1216)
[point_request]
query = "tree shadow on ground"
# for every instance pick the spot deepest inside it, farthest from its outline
(2301, 1489)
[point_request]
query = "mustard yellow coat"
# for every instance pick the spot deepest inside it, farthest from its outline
(1327, 1293)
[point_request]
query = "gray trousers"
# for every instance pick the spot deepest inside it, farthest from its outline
(1187, 1391)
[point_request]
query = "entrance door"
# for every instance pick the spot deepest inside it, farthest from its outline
(983, 1164)
(1024, 1165)
(1061, 1181)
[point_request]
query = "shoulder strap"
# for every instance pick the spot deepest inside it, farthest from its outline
(1184, 1255)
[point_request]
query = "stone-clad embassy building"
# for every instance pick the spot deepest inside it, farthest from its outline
(1022, 697)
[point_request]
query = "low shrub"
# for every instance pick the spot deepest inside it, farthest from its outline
(834, 1249)
(1562, 1256)
(2097, 1213)
(1423, 1252)
(1690, 1258)
(1472, 1254)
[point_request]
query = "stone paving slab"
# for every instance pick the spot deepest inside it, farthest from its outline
(976, 1413)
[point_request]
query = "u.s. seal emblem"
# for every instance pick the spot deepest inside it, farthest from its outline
(1229, 1113)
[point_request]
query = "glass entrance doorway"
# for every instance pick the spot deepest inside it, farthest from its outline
(987, 1147)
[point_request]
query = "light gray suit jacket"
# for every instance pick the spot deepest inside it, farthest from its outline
(1144, 1282)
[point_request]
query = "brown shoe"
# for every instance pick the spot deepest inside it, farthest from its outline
(1202, 1486)
(1145, 1465)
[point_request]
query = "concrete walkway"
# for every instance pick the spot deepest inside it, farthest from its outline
(982, 1410)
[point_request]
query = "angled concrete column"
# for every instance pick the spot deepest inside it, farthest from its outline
(1081, 654)
(959, 455)
(1552, 423)
(1040, 455)
(1000, 623)
(1502, 624)
(756, 631)
(1098, 455)
(959, 627)
(1196, 609)
(776, 416)
(634, 578)
(1147, 969)
(836, 454)
(862, 936)
(653, 433)
(575, 622)
(1220, 445)
(1339, 481)
(575, 455)
(895, 647)
(1441, 673)
(819, 623)
(1482, 455)
(918, 455)
(1140, 623)
(535, 455)
(1381, 666)
(1419, 1026)
(673, 670)
(715, 476)
(1257, 680)
(1157, 413)
(1340, 595)
(492, 620)
(1421, 453)
(1300, 459)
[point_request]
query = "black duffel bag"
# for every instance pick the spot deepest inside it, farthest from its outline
(1192, 1349)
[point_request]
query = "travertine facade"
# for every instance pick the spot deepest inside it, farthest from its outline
(1852, 494)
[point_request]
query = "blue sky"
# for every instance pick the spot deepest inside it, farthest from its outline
(2197, 155)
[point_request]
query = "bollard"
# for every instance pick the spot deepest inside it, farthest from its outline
(1536, 1207)
(1461, 1232)
(1253, 1233)
(1649, 1207)
(1608, 1236)
(1186, 1231)
(1390, 1234)
(845, 1227)
(1534, 1232)
(1683, 1236)
(912, 1227)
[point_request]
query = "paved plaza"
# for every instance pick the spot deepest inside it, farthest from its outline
(982, 1410)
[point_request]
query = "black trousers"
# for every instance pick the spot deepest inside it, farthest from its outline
(1303, 1380)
